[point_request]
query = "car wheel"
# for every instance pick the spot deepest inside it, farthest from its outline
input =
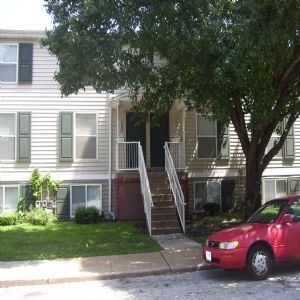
(259, 262)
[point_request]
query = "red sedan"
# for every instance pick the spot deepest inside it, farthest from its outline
(271, 235)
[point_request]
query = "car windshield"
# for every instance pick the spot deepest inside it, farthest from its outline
(269, 212)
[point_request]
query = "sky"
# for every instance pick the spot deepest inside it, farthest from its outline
(24, 15)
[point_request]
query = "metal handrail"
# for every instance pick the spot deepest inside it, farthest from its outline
(145, 188)
(175, 186)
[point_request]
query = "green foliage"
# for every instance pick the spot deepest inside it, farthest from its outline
(38, 216)
(21, 204)
(87, 215)
(35, 183)
(43, 186)
(68, 239)
(229, 58)
(11, 219)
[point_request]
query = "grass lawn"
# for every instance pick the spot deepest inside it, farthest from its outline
(68, 239)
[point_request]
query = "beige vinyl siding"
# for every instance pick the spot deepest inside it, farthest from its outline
(198, 167)
(43, 99)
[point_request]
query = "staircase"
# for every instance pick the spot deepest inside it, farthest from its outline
(164, 214)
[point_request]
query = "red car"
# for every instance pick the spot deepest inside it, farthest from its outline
(271, 235)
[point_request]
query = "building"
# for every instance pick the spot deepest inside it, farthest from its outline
(92, 143)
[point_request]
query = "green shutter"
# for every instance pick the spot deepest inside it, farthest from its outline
(24, 137)
(223, 140)
(63, 202)
(25, 62)
(66, 136)
(289, 145)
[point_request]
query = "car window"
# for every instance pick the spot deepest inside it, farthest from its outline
(269, 212)
(294, 210)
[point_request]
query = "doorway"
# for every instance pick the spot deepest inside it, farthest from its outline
(159, 134)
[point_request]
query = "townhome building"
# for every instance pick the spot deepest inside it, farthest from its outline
(162, 173)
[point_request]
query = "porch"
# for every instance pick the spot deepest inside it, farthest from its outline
(155, 194)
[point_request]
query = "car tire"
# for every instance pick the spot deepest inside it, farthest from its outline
(259, 262)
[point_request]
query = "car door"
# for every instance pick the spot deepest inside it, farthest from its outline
(290, 242)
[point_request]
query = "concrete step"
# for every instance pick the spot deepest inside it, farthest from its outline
(166, 230)
(164, 210)
(162, 217)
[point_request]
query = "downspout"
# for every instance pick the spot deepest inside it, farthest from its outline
(109, 155)
(112, 104)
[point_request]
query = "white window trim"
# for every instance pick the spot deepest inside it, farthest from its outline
(3, 194)
(85, 186)
(15, 137)
(275, 192)
(75, 136)
(17, 63)
(215, 136)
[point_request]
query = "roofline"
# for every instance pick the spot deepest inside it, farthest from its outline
(10, 33)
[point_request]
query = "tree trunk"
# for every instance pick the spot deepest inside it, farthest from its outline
(253, 187)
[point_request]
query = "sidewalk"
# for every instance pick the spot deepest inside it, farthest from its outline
(179, 255)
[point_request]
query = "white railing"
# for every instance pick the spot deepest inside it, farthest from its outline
(177, 154)
(127, 156)
(130, 157)
(145, 187)
(175, 186)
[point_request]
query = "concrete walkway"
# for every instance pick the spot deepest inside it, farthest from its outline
(179, 255)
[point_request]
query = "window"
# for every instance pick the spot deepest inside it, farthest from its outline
(212, 138)
(7, 136)
(287, 151)
(16, 63)
(273, 188)
(8, 62)
(274, 139)
(294, 185)
(206, 192)
(83, 138)
(85, 196)
(15, 136)
(9, 197)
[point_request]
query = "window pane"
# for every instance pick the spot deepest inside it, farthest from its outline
(94, 196)
(11, 199)
(85, 124)
(280, 188)
(200, 195)
(207, 147)
(8, 53)
(7, 148)
(86, 147)
(205, 126)
(213, 192)
(294, 186)
(78, 197)
(7, 124)
(269, 189)
(8, 73)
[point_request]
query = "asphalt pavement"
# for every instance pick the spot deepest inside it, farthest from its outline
(179, 255)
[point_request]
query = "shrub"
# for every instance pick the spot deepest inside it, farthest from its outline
(87, 215)
(11, 219)
(38, 216)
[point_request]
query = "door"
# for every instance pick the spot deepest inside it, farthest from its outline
(290, 233)
(159, 134)
(135, 132)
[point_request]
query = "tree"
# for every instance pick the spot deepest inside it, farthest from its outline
(239, 60)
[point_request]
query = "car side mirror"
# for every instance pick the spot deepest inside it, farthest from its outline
(287, 218)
